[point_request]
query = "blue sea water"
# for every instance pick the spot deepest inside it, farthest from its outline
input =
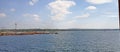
(64, 41)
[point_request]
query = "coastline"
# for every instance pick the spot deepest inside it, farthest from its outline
(24, 33)
(11, 32)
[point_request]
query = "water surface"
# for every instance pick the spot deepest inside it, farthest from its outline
(64, 41)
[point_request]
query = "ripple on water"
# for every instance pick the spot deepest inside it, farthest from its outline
(73, 41)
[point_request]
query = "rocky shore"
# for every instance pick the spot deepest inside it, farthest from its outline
(24, 33)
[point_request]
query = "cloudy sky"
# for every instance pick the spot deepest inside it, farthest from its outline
(59, 14)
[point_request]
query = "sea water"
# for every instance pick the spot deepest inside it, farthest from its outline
(64, 41)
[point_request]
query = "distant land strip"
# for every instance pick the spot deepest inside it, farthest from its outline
(26, 30)
(7, 32)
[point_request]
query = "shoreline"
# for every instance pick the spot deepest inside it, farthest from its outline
(24, 33)
(11, 32)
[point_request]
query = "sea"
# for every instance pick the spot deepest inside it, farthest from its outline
(64, 41)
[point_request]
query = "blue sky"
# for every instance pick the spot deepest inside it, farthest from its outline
(59, 14)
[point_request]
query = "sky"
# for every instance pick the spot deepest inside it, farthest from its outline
(59, 14)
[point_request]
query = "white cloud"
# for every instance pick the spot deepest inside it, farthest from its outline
(34, 16)
(70, 23)
(61, 0)
(91, 8)
(67, 24)
(114, 16)
(99, 1)
(12, 9)
(32, 2)
(83, 16)
(87, 24)
(99, 25)
(3, 15)
(110, 14)
(107, 13)
(60, 8)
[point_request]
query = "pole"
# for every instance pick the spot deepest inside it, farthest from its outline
(119, 12)
(15, 28)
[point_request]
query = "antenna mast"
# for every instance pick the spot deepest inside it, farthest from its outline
(15, 26)
(119, 12)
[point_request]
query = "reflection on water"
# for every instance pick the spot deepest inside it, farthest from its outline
(65, 41)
